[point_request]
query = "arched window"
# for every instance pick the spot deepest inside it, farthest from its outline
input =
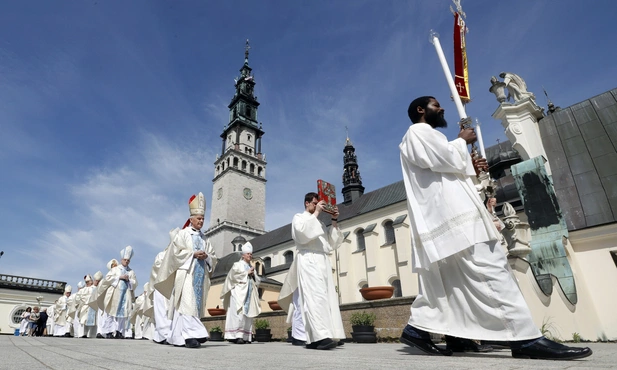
(249, 137)
(243, 165)
(260, 291)
(235, 162)
(259, 169)
(398, 292)
(360, 238)
(223, 166)
(289, 257)
(248, 112)
(252, 167)
(227, 162)
(218, 169)
(267, 262)
(389, 232)
(258, 268)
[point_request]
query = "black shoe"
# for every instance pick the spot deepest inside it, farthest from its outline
(424, 344)
(164, 341)
(545, 349)
(298, 342)
(323, 344)
(192, 343)
(68, 335)
(202, 340)
(240, 341)
(340, 343)
(118, 335)
(109, 335)
(84, 336)
(456, 344)
(99, 335)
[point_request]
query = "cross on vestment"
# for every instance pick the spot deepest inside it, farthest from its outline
(460, 87)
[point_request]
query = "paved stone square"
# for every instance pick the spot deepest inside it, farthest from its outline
(70, 353)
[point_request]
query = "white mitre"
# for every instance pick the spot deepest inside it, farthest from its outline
(197, 205)
(127, 253)
(68, 289)
(111, 263)
(247, 248)
(88, 278)
(98, 276)
(81, 284)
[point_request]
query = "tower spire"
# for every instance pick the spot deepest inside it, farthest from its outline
(352, 181)
(551, 107)
(246, 52)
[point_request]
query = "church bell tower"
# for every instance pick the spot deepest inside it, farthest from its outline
(238, 206)
(352, 182)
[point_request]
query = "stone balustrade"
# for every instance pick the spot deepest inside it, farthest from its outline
(31, 284)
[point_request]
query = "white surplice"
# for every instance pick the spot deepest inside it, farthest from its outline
(465, 287)
(176, 282)
(241, 300)
(116, 297)
(158, 307)
(311, 274)
(61, 310)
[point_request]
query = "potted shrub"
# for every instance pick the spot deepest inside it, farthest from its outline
(363, 326)
(216, 334)
(262, 330)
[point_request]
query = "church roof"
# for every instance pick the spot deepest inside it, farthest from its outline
(580, 143)
(224, 264)
(382, 197)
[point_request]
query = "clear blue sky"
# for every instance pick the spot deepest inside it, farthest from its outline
(111, 111)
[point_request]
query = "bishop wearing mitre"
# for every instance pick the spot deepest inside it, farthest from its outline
(184, 278)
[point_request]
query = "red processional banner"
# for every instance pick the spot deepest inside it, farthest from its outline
(461, 79)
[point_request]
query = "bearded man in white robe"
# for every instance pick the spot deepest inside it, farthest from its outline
(241, 298)
(117, 293)
(311, 275)
(184, 278)
(61, 314)
(466, 289)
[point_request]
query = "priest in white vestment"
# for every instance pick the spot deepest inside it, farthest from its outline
(465, 287)
(311, 275)
(61, 314)
(100, 316)
(75, 310)
(161, 309)
(241, 298)
(117, 292)
(86, 314)
(184, 278)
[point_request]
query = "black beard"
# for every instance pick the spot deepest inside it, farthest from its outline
(436, 120)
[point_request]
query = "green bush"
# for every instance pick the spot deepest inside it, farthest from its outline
(216, 329)
(576, 338)
(262, 324)
(362, 318)
(289, 329)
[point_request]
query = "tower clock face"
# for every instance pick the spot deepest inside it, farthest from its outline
(248, 193)
(219, 193)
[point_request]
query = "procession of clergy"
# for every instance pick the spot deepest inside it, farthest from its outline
(466, 290)
(173, 301)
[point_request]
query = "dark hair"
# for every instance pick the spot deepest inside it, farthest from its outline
(310, 196)
(412, 111)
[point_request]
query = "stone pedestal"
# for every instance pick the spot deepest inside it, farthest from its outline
(520, 121)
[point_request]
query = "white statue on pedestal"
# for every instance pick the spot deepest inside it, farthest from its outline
(498, 88)
(517, 88)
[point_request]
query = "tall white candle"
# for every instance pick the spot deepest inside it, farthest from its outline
(480, 141)
(434, 38)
